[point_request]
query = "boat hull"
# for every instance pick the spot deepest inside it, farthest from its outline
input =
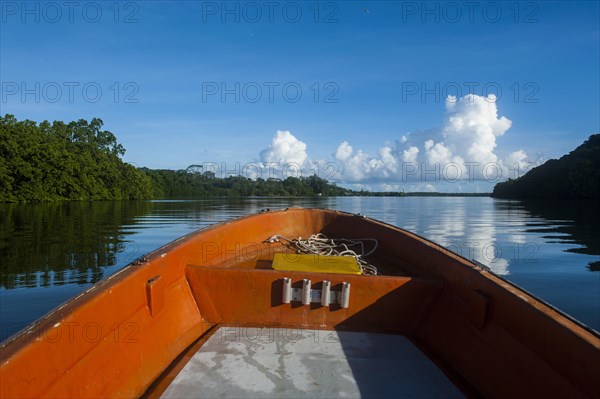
(118, 338)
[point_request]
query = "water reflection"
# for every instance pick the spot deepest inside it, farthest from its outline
(63, 243)
(568, 222)
(464, 225)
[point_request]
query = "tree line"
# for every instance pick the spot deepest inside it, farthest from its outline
(182, 184)
(65, 161)
(575, 175)
(81, 161)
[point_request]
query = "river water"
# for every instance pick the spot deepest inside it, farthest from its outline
(51, 252)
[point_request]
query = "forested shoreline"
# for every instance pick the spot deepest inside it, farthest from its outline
(183, 184)
(573, 176)
(65, 161)
(80, 161)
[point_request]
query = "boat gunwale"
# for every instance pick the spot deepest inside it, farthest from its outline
(48, 318)
(112, 279)
(487, 272)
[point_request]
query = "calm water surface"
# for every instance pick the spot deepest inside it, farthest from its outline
(51, 252)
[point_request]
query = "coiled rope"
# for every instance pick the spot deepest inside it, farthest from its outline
(319, 244)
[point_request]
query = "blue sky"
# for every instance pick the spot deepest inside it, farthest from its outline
(373, 77)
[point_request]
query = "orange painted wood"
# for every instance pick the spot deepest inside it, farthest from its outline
(155, 295)
(103, 344)
(390, 304)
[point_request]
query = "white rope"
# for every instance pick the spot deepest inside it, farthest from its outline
(319, 244)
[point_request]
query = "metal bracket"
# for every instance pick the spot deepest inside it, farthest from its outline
(324, 296)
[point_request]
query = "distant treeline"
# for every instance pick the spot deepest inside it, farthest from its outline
(80, 161)
(183, 184)
(575, 175)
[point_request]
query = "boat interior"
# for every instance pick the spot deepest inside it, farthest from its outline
(231, 312)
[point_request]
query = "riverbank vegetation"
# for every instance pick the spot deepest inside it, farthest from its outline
(575, 175)
(58, 161)
(183, 184)
(80, 161)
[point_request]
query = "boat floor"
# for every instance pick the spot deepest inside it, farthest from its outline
(240, 362)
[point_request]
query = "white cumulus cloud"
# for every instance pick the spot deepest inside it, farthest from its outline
(466, 141)
(471, 128)
(344, 151)
(461, 151)
(410, 155)
(285, 149)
